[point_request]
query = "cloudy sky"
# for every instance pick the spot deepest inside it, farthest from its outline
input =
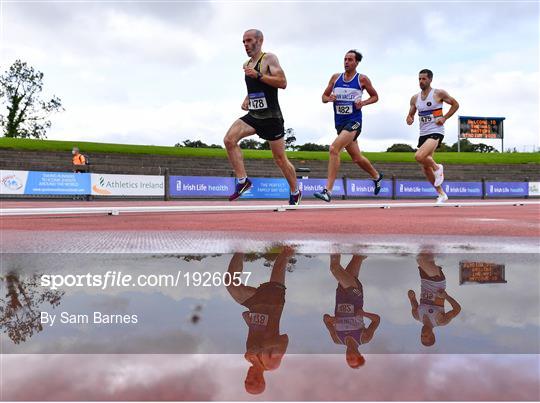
(159, 72)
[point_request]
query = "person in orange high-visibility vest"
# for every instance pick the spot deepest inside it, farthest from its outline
(78, 159)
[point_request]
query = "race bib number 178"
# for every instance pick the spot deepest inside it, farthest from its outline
(257, 101)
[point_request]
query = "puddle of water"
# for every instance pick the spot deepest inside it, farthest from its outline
(464, 303)
(275, 322)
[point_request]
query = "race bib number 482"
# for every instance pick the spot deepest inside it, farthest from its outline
(257, 101)
(344, 109)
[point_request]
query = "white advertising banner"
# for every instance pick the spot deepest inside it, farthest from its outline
(13, 182)
(534, 188)
(128, 185)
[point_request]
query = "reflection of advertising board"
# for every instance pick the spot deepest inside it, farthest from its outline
(127, 185)
(200, 186)
(481, 272)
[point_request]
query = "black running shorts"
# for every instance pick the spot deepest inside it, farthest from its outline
(270, 129)
(436, 136)
(350, 126)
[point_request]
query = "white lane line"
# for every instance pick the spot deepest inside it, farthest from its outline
(115, 210)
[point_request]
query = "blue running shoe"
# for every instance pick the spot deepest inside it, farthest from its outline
(324, 195)
(378, 184)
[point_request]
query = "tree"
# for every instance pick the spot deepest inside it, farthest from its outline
(196, 144)
(27, 113)
(400, 148)
(464, 146)
(312, 147)
(250, 144)
(483, 148)
(192, 144)
(290, 139)
(21, 307)
(444, 148)
(264, 145)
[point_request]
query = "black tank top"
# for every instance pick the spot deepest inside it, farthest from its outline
(263, 98)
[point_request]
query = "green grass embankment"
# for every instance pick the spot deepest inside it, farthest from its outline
(89, 148)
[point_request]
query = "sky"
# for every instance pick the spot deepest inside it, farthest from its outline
(160, 72)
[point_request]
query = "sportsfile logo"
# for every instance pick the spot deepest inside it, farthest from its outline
(12, 182)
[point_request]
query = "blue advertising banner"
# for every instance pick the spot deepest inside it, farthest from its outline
(414, 189)
(310, 186)
(364, 188)
(57, 183)
(201, 186)
(267, 188)
(507, 189)
(463, 189)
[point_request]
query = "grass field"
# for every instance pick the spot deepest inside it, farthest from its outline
(89, 148)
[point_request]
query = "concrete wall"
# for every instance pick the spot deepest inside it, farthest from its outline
(146, 164)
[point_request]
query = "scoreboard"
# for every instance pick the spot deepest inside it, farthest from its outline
(473, 127)
(481, 272)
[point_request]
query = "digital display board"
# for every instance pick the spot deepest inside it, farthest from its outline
(474, 127)
(481, 272)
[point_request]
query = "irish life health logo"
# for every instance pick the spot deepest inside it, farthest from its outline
(100, 189)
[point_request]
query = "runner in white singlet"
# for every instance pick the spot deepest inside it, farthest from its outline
(429, 104)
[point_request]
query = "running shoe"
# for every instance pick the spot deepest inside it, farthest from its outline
(442, 198)
(439, 176)
(294, 200)
(240, 189)
(324, 195)
(378, 183)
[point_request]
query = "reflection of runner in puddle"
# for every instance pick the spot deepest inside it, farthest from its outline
(265, 346)
(430, 311)
(347, 327)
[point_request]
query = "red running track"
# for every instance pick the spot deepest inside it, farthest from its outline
(515, 221)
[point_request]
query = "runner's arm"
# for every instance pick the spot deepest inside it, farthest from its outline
(375, 319)
(245, 104)
(373, 96)
(327, 95)
(329, 323)
(456, 309)
(276, 78)
(414, 304)
(412, 111)
(454, 105)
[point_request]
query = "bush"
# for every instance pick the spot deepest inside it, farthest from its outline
(400, 148)
(312, 147)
